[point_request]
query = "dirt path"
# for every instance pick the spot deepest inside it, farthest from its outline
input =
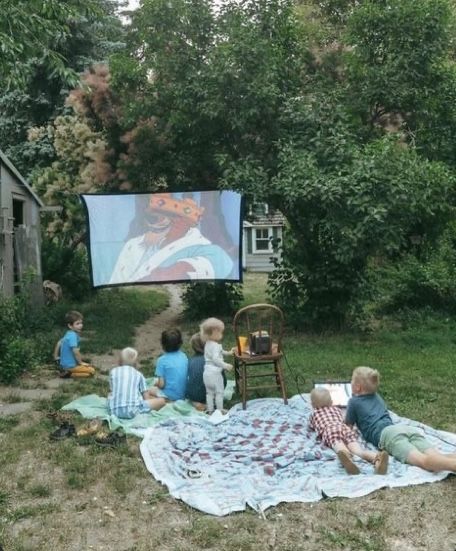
(147, 337)
(16, 400)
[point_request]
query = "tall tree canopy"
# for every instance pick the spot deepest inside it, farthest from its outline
(338, 112)
(45, 45)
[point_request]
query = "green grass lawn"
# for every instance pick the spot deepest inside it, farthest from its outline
(58, 491)
(416, 365)
(414, 355)
(110, 317)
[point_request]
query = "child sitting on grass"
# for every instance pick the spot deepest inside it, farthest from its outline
(211, 331)
(129, 395)
(196, 391)
(367, 410)
(171, 370)
(67, 351)
(327, 421)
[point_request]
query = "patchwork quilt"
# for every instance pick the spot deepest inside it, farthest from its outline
(262, 456)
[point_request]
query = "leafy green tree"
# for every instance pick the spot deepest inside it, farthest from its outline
(39, 68)
(206, 86)
(326, 109)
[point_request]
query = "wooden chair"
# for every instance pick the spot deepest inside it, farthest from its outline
(258, 330)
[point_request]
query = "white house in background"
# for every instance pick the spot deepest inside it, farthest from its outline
(262, 233)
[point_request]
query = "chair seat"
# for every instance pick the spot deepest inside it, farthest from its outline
(258, 326)
(246, 357)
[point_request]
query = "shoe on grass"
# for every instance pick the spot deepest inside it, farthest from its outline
(64, 431)
(111, 439)
(90, 428)
(347, 463)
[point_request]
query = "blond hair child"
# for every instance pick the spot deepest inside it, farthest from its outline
(327, 421)
(367, 410)
(129, 394)
(211, 331)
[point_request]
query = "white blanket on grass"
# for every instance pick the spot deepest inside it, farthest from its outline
(262, 456)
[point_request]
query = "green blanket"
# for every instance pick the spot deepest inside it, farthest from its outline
(94, 406)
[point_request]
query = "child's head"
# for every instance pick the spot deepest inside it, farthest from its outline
(197, 344)
(212, 330)
(320, 397)
(171, 340)
(74, 320)
(365, 380)
(128, 356)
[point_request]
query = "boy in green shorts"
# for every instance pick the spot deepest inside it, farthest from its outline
(366, 409)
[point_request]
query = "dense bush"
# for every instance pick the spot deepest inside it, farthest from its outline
(370, 208)
(423, 278)
(202, 300)
(16, 350)
(67, 266)
(17, 356)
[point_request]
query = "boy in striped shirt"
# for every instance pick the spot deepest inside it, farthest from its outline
(129, 394)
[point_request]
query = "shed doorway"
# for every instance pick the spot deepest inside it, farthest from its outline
(18, 220)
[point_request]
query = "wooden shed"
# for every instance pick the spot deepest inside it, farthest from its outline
(20, 243)
(262, 235)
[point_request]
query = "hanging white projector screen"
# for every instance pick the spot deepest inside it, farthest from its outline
(137, 238)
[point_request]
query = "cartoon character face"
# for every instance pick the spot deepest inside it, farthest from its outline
(157, 222)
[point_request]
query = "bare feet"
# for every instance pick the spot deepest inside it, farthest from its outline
(347, 463)
(381, 463)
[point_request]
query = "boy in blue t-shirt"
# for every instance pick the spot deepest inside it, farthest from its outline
(67, 351)
(171, 370)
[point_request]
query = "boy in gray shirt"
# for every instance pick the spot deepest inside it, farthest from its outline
(367, 410)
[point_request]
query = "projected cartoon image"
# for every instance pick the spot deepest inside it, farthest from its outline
(170, 237)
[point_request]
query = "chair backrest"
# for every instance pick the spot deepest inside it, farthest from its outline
(260, 326)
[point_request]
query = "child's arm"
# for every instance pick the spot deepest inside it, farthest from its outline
(77, 355)
(350, 414)
(212, 354)
(160, 372)
(160, 382)
(56, 353)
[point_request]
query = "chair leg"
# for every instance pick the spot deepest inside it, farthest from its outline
(236, 375)
(244, 385)
(280, 379)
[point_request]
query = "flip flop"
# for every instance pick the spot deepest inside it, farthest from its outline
(347, 463)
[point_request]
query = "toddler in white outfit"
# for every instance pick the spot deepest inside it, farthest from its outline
(211, 331)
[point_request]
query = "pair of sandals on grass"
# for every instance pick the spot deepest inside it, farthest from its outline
(92, 431)
(380, 462)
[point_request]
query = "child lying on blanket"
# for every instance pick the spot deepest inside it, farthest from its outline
(367, 410)
(327, 421)
(129, 395)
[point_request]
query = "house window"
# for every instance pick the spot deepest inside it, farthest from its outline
(262, 240)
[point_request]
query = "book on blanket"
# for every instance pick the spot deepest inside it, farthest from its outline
(340, 391)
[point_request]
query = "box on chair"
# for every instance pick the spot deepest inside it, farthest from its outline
(259, 343)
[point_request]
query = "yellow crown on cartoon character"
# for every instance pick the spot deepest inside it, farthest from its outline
(185, 208)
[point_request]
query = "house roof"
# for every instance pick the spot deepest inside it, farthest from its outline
(4, 159)
(274, 218)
